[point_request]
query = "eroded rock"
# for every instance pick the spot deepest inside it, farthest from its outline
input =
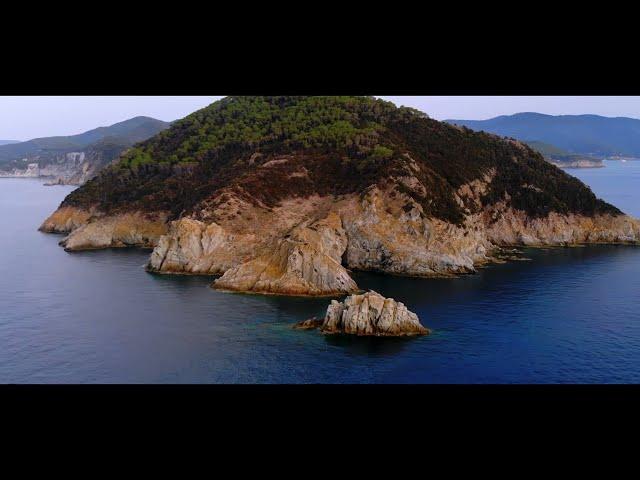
(66, 219)
(126, 230)
(306, 262)
(371, 314)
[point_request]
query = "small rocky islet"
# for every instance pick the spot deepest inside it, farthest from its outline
(368, 314)
(287, 195)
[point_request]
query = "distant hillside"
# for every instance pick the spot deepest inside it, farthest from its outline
(564, 159)
(7, 142)
(547, 149)
(76, 158)
(577, 134)
(131, 131)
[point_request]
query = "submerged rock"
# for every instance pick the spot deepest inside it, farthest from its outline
(371, 314)
(310, 324)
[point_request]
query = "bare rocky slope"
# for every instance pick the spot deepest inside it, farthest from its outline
(286, 195)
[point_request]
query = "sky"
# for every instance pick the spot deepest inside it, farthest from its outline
(24, 118)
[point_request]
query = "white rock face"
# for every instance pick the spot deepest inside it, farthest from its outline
(71, 168)
(32, 170)
(371, 314)
(60, 167)
(194, 247)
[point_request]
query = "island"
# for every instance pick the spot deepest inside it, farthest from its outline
(289, 194)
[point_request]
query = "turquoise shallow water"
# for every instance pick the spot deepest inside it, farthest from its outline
(568, 315)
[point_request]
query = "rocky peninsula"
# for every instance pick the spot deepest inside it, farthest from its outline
(286, 195)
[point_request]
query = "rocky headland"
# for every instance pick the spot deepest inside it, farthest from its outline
(286, 195)
(88, 230)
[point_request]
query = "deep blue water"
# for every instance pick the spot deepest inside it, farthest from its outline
(568, 315)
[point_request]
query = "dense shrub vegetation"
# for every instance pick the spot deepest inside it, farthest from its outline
(345, 144)
(350, 123)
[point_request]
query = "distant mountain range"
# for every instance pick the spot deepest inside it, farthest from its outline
(591, 135)
(75, 158)
(7, 142)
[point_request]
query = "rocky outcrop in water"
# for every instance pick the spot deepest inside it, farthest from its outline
(371, 314)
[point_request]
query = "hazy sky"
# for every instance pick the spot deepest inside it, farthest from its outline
(23, 118)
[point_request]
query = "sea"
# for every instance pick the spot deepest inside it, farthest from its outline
(568, 315)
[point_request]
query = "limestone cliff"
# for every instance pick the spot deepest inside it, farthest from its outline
(285, 195)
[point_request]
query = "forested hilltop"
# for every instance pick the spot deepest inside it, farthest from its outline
(345, 145)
